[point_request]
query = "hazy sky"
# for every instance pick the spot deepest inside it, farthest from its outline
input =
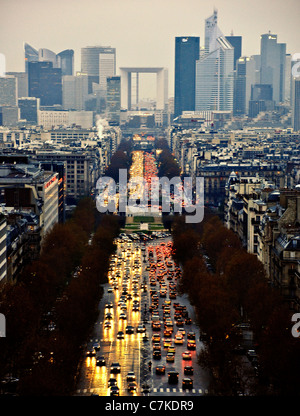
(142, 31)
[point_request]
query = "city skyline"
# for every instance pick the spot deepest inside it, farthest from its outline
(103, 23)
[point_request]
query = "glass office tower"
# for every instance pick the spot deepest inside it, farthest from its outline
(113, 100)
(45, 82)
(66, 61)
(98, 62)
(215, 78)
(272, 70)
(236, 42)
(187, 51)
(31, 55)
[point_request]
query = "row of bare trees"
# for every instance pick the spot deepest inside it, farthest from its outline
(231, 290)
(51, 309)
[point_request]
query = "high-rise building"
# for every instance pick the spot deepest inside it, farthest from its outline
(22, 77)
(236, 42)
(45, 55)
(215, 78)
(187, 50)
(66, 61)
(244, 79)
(212, 33)
(113, 100)
(261, 99)
(63, 60)
(31, 55)
(8, 91)
(272, 70)
(295, 101)
(45, 82)
(98, 62)
(74, 91)
(214, 70)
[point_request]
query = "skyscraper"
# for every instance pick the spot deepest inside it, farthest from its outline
(212, 33)
(31, 55)
(113, 100)
(214, 70)
(66, 61)
(187, 51)
(74, 91)
(236, 42)
(98, 62)
(215, 78)
(45, 82)
(295, 103)
(272, 70)
(244, 79)
(8, 91)
(63, 60)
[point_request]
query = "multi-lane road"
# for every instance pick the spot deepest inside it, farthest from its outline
(142, 320)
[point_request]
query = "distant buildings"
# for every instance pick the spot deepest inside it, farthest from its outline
(214, 70)
(98, 62)
(45, 82)
(113, 100)
(272, 70)
(295, 104)
(187, 50)
(63, 60)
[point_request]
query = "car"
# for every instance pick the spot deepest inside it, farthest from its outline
(178, 339)
(132, 387)
(141, 328)
(109, 305)
(129, 329)
(100, 361)
(120, 335)
(170, 357)
(123, 315)
(108, 316)
(91, 352)
(107, 325)
(156, 346)
(171, 349)
(156, 338)
(156, 354)
(173, 377)
(160, 369)
(187, 383)
(186, 355)
(191, 335)
(112, 382)
(181, 330)
(167, 343)
(114, 391)
(191, 344)
(115, 367)
(109, 290)
(130, 376)
(188, 370)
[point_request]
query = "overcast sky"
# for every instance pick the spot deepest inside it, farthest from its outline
(142, 31)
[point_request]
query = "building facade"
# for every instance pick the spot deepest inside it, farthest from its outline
(45, 82)
(273, 60)
(187, 50)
